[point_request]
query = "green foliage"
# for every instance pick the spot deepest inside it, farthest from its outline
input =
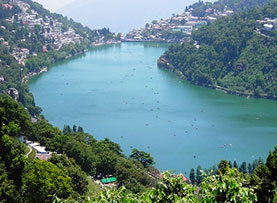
(95, 157)
(264, 178)
(44, 179)
(172, 190)
(223, 167)
(94, 190)
(192, 176)
(231, 55)
(12, 163)
(144, 158)
(79, 181)
(227, 187)
(14, 120)
(8, 191)
(132, 177)
(24, 179)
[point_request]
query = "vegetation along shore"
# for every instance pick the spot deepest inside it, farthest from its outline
(232, 47)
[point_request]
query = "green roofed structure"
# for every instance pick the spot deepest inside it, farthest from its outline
(109, 180)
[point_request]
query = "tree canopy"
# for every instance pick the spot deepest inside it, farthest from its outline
(230, 54)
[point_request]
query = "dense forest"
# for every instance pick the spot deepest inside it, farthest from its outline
(233, 54)
(227, 185)
(77, 155)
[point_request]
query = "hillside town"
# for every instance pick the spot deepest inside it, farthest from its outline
(176, 28)
(55, 33)
(180, 26)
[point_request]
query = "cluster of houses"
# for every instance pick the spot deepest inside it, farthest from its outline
(52, 29)
(56, 36)
(20, 55)
(268, 25)
(184, 22)
(55, 33)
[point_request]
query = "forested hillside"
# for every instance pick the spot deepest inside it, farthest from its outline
(77, 156)
(235, 54)
(227, 185)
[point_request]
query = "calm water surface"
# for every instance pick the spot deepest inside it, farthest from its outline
(119, 93)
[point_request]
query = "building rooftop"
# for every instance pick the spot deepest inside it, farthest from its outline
(108, 180)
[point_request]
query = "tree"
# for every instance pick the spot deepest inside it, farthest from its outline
(8, 191)
(230, 164)
(80, 130)
(106, 162)
(198, 174)
(243, 167)
(192, 176)
(79, 182)
(223, 166)
(44, 179)
(14, 119)
(114, 147)
(12, 159)
(271, 163)
(128, 175)
(235, 164)
(67, 129)
(226, 187)
(74, 129)
(144, 158)
(12, 163)
(250, 168)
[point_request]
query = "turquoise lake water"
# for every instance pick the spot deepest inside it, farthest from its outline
(119, 93)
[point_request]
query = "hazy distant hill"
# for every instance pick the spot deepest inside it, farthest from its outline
(122, 15)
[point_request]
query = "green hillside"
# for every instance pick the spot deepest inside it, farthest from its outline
(234, 54)
(77, 157)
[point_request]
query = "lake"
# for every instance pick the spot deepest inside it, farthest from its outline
(117, 92)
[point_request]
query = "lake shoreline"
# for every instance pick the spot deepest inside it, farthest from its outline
(117, 92)
(27, 77)
(163, 63)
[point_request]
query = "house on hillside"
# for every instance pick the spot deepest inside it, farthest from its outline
(109, 182)
(39, 149)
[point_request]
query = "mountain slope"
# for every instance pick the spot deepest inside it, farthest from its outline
(235, 54)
